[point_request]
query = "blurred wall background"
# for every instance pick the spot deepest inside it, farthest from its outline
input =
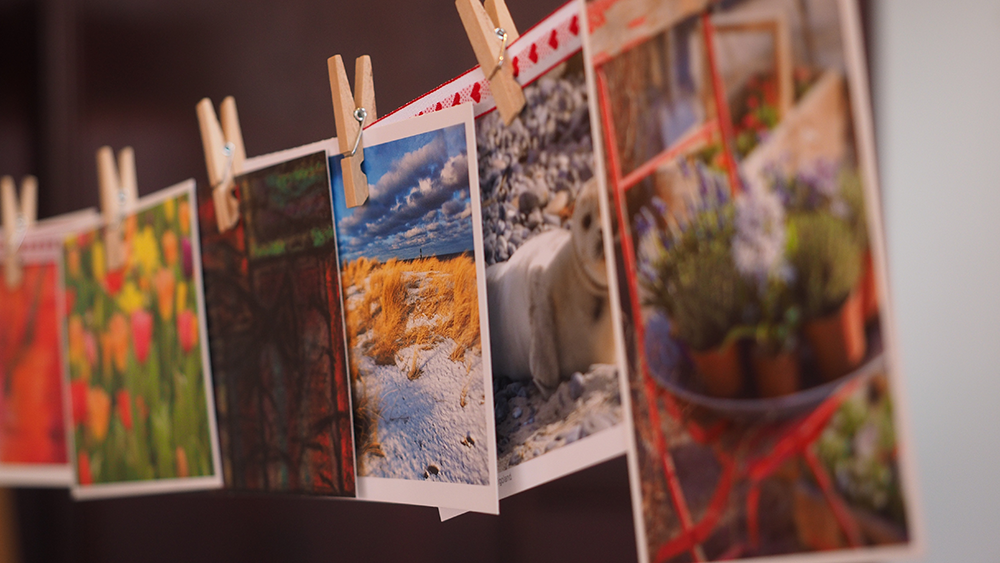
(936, 69)
(77, 74)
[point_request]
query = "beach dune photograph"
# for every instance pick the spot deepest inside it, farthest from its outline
(413, 308)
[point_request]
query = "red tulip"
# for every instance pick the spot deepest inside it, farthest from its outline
(123, 404)
(83, 468)
(78, 395)
(70, 300)
(187, 330)
(142, 333)
(113, 281)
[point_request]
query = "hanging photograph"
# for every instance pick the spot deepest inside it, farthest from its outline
(416, 315)
(763, 381)
(276, 331)
(541, 209)
(141, 417)
(32, 425)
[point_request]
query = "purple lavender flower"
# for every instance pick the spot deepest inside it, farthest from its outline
(759, 243)
(660, 206)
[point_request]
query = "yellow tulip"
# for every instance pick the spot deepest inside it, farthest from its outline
(130, 298)
(97, 261)
(169, 208)
(181, 297)
(146, 251)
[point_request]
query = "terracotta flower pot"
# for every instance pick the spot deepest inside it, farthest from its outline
(720, 369)
(838, 340)
(776, 374)
(869, 289)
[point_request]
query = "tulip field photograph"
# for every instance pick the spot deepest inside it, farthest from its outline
(137, 372)
(32, 432)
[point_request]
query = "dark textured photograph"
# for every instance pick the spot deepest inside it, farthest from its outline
(276, 332)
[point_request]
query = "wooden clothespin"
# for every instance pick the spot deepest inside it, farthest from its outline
(119, 194)
(224, 156)
(17, 219)
(491, 30)
(351, 114)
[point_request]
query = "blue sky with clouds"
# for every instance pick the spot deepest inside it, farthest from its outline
(418, 200)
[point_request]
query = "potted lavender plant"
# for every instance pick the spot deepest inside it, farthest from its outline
(688, 271)
(827, 263)
(759, 250)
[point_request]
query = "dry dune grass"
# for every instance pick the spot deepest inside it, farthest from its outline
(355, 272)
(447, 297)
(444, 295)
(388, 292)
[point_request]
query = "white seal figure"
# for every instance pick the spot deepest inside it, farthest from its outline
(548, 305)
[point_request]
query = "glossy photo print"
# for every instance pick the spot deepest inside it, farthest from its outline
(762, 377)
(414, 293)
(32, 427)
(555, 375)
(276, 331)
(141, 415)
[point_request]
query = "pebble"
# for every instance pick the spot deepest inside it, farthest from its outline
(516, 458)
(517, 412)
(576, 386)
(527, 202)
(573, 434)
(433, 469)
(500, 406)
(534, 219)
(534, 165)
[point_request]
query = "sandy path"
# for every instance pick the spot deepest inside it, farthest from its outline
(431, 427)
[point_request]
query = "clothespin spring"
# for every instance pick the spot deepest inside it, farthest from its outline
(229, 151)
(360, 115)
(502, 56)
